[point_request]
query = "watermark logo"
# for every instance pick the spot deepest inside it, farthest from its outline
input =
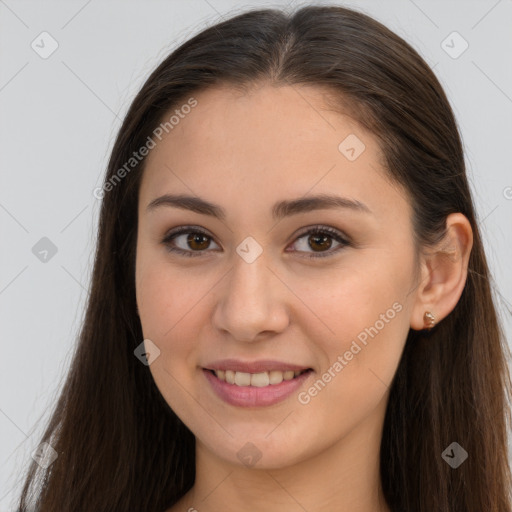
(454, 45)
(454, 455)
(44, 45)
(147, 352)
(44, 250)
(351, 147)
(44, 455)
(249, 250)
(249, 455)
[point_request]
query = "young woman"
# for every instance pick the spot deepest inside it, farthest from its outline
(290, 305)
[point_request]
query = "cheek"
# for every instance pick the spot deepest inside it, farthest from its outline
(368, 316)
(362, 318)
(168, 310)
(162, 295)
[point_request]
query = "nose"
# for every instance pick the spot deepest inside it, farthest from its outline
(251, 302)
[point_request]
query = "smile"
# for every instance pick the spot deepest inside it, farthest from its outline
(258, 380)
(261, 389)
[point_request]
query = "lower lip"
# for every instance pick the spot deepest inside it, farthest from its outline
(251, 396)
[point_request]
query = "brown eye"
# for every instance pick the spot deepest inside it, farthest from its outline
(319, 241)
(197, 241)
(187, 241)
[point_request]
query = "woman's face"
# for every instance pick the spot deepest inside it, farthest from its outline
(263, 293)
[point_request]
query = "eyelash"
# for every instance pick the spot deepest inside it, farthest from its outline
(333, 233)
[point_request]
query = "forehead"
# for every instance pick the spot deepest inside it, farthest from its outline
(265, 143)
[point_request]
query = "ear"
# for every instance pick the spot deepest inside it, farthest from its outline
(444, 270)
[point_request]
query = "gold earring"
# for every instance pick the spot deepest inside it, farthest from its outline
(429, 319)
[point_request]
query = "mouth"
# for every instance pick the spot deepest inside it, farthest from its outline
(261, 389)
(257, 380)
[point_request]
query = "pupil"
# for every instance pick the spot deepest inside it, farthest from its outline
(316, 239)
(193, 239)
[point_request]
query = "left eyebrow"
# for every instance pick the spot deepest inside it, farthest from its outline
(280, 209)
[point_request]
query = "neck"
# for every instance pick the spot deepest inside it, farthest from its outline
(343, 477)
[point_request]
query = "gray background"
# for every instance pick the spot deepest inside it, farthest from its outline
(58, 120)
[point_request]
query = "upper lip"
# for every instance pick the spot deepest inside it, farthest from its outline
(237, 365)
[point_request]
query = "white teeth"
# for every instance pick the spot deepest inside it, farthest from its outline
(259, 380)
(242, 379)
(275, 377)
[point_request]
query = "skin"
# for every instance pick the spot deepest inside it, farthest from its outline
(244, 152)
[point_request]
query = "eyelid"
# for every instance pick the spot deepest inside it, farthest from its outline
(333, 233)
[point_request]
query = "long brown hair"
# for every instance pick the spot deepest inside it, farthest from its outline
(121, 448)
